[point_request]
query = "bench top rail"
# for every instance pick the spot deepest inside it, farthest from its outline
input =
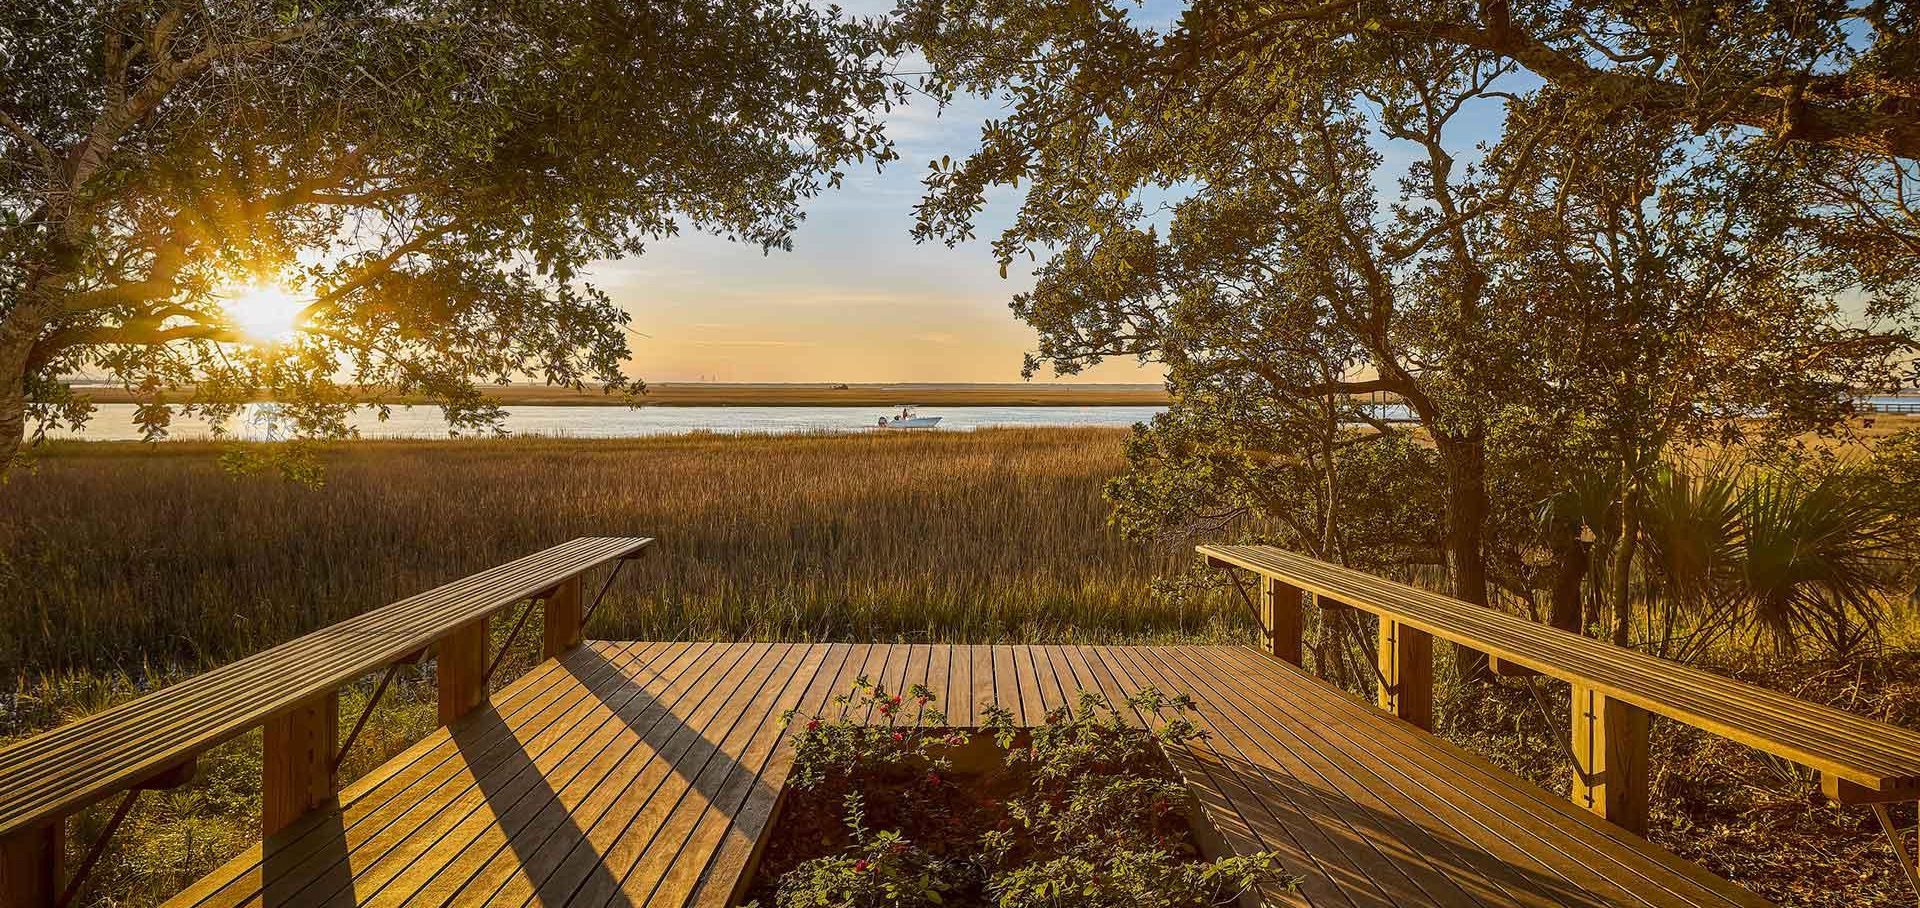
(55, 773)
(1875, 755)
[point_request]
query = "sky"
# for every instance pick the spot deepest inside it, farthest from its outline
(856, 300)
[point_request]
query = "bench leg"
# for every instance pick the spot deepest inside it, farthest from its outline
(1406, 672)
(462, 669)
(1611, 738)
(30, 866)
(563, 619)
(296, 761)
(1280, 614)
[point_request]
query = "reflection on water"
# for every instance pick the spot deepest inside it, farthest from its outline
(114, 422)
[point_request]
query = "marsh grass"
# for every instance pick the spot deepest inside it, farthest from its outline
(124, 567)
(144, 558)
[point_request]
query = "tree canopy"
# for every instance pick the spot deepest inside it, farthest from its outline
(426, 177)
(1505, 217)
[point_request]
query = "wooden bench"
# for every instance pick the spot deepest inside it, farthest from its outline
(291, 691)
(1614, 689)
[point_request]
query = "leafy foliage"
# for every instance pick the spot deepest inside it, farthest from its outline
(428, 176)
(1508, 219)
(1085, 811)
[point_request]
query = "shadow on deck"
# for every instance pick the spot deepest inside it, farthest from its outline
(631, 774)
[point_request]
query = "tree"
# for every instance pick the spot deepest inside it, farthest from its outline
(1204, 199)
(1693, 287)
(426, 177)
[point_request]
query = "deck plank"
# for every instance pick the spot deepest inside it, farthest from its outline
(649, 773)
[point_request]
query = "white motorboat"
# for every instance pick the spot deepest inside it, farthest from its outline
(907, 418)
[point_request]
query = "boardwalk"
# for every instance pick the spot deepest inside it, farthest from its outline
(644, 773)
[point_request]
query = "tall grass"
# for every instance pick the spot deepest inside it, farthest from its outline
(139, 557)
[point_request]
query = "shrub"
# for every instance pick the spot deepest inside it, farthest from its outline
(1085, 811)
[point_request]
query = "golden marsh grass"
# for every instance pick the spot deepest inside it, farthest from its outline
(129, 555)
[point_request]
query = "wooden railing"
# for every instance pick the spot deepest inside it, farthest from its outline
(291, 692)
(1614, 689)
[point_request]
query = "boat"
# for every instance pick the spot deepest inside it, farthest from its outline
(909, 419)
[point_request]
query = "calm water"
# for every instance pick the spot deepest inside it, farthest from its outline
(114, 422)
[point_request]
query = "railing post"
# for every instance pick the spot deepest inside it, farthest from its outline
(462, 669)
(563, 619)
(1280, 616)
(1611, 737)
(1406, 672)
(296, 761)
(30, 865)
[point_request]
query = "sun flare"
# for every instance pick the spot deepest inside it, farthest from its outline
(262, 312)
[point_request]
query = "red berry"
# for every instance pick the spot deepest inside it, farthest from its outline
(860, 865)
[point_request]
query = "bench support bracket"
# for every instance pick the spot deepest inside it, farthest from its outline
(1610, 739)
(1280, 614)
(31, 862)
(461, 666)
(296, 761)
(1406, 672)
(565, 621)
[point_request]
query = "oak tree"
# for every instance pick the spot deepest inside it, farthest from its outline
(425, 179)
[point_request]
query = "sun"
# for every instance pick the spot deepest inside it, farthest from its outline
(262, 312)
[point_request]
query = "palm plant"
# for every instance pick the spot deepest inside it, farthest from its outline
(1819, 556)
(1692, 537)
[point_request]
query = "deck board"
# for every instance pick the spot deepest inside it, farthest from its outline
(637, 774)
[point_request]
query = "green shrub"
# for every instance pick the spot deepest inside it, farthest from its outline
(1084, 812)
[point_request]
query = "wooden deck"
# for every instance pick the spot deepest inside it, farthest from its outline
(643, 774)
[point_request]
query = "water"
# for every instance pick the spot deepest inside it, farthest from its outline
(114, 422)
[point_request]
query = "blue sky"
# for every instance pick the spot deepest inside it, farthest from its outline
(856, 300)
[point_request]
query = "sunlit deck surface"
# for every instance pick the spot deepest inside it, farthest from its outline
(645, 773)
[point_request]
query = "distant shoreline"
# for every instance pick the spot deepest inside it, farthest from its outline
(715, 394)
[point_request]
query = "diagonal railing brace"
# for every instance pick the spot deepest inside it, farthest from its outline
(1909, 864)
(99, 848)
(1564, 739)
(1252, 609)
(507, 644)
(366, 712)
(617, 566)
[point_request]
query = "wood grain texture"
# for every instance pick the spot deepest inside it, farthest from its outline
(1280, 618)
(1406, 667)
(650, 773)
(1874, 756)
(51, 775)
(1610, 740)
(296, 760)
(30, 866)
(562, 626)
(460, 667)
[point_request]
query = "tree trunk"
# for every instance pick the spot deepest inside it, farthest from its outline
(15, 343)
(1563, 611)
(1620, 570)
(1465, 461)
